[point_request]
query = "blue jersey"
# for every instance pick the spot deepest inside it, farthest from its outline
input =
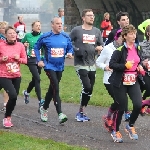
(55, 46)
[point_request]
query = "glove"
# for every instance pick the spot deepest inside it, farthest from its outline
(129, 65)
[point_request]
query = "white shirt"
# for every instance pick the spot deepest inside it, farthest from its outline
(103, 60)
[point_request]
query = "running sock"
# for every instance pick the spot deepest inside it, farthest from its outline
(110, 112)
(5, 104)
(81, 109)
(26, 93)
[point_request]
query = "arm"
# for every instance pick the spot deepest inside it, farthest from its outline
(37, 46)
(69, 46)
(100, 62)
(103, 27)
(115, 61)
(24, 39)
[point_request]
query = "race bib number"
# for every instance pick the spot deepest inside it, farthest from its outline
(57, 52)
(33, 53)
(12, 67)
(148, 65)
(107, 32)
(129, 79)
(21, 35)
(89, 39)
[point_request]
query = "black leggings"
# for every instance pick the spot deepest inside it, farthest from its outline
(114, 105)
(53, 91)
(121, 99)
(87, 79)
(35, 71)
(11, 86)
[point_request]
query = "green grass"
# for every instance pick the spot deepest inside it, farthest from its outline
(70, 87)
(13, 141)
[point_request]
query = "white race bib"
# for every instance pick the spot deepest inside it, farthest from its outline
(12, 67)
(89, 39)
(107, 32)
(129, 79)
(57, 52)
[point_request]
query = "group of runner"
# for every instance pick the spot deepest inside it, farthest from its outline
(124, 60)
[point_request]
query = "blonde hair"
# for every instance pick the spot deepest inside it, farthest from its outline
(127, 29)
(105, 14)
(3, 24)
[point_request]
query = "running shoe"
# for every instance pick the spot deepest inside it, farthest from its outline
(26, 97)
(131, 132)
(44, 115)
(108, 123)
(147, 111)
(117, 137)
(4, 108)
(80, 117)
(86, 117)
(127, 116)
(41, 103)
(7, 122)
(142, 112)
(62, 118)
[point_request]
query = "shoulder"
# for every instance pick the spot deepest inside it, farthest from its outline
(28, 34)
(144, 43)
(65, 35)
(46, 35)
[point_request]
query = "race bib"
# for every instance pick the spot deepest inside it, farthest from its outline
(107, 32)
(12, 67)
(89, 39)
(21, 35)
(129, 79)
(33, 53)
(57, 52)
(148, 66)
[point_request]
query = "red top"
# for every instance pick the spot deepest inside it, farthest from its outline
(17, 24)
(104, 25)
(11, 67)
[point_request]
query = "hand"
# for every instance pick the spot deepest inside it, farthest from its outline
(107, 69)
(69, 55)
(145, 62)
(140, 68)
(65, 28)
(4, 58)
(17, 57)
(41, 64)
(129, 64)
(99, 48)
(26, 44)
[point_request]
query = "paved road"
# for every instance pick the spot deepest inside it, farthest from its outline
(88, 134)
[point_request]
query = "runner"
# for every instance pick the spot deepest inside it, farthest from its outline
(122, 20)
(56, 45)
(87, 40)
(12, 54)
(145, 53)
(103, 63)
(125, 62)
(20, 28)
(143, 25)
(106, 26)
(3, 25)
(29, 40)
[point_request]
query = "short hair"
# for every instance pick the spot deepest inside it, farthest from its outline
(118, 15)
(8, 28)
(3, 23)
(85, 11)
(60, 9)
(33, 23)
(52, 21)
(19, 17)
(105, 14)
(146, 31)
(127, 29)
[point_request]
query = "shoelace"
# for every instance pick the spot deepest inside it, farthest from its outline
(143, 110)
(133, 130)
(109, 122)
(118, 135)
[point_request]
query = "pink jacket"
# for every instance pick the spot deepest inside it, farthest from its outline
(11, 67)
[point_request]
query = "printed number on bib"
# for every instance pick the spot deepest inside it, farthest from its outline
(148, 65)
(89, 39)
(12, 67)
(57, 52)
(33, 53)
(129, 79)
(107, 32)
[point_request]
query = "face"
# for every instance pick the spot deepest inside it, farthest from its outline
(20, 19)
(124, 21)
(61, 12)
(37, 27)
(11, 35)
(89, 18)
(119, 40)
(2, 29)
(130, 37)
(107, 17)
(57, 25)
